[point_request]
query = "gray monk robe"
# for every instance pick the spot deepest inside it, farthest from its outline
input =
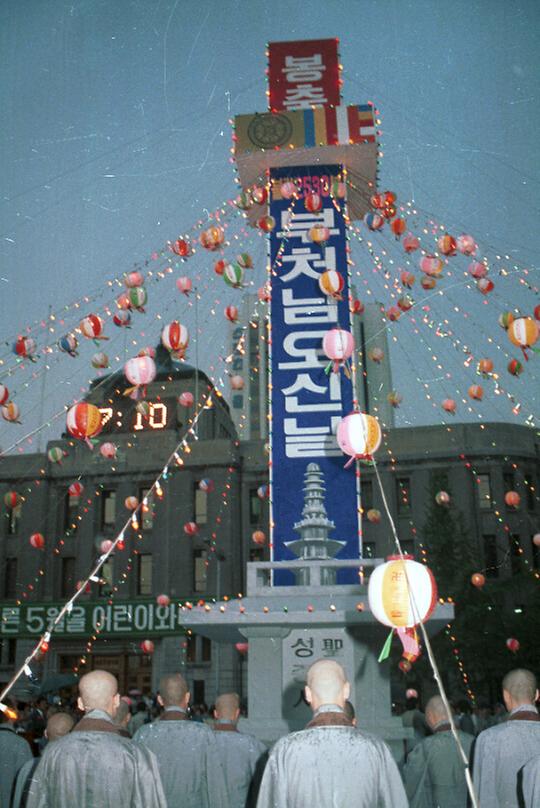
(188, 760)
(499, 754)
(241, 755)
(14, 752)
(94, 767)
(434, 773)
(529, 783)
(330, 764)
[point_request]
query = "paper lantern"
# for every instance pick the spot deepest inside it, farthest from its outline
(37, 540)
(263, 491)
(186, 399)
(266, 224)
(515, 367)
(410, 243)
(122, 319)
(68, 344)
(537, 312)
(25, 347)
(100, 360)
(477, 269)
(133, 279)
(447, 245)
(139, 371)
(11, 500)
(359, 435)
(485, 366)
(191, 528)
(233, 275)
(506, 319)
(405, 303)
(449, 405)
(428, 282)
(184, 285)
(442, 498)
(105, 546)
(512, 499)
(220, 266)
(407, 279)
(288, 190)
(56, 454)
(319, 234)
(376, 355)
(243, 201)
(405, 666)
(431, 265)
(411, 693)
(389, 211)
(536, 539)
(242, 647)
(357, 307)
(4, 394)
(11, 412)
(259, 195)
(313, 202)
(131, 503)
(485, 286)
(237, 382)
(231, 313)
(466, 244)
(523, 332)
(476, 392)
(338, 346)
(175, 337)
(245, 260)
(393, 313)
(212, 238)
(108, 450)
(122, 301)
(373, 221)
(398, 227)
(75, 490)
(258, 537)
(512, 644)
(478, 580)
(83, 421)
(374, 516)
(402, 593)
(163, 600)
(92, 327)
(181, 247)
(138, 297)
(264, 293)
(147, 647)
(206, 485)
(331, 283)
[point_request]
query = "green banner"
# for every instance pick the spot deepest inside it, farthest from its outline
(119, 618)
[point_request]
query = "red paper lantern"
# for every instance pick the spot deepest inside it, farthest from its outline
(447, 245)
(37, 540)
(478, 580)
(313, 202)
(258, 537)
(163, 600)
(147, 647)
(357, 307)
(75, 490)
(515, 367)
(485, 286)
(410, 243)
(11, 500)
(476, 392)
(512, 644)
(512, 499)
(266, 224)
(186, 399)
(181, 247)
(398, 227)
(231, 313)
(4, 395)
(449, 405)
(220, 266)
(191, 528)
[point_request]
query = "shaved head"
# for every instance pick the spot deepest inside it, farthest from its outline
(227, 706)
(436, 711)
(58, 725)
(98, 691)
(326, 684)
(520, 685)
(173, 690)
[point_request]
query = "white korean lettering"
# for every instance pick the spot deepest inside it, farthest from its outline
(308, 309)
(298, 225)
(304, 381)
(304, 96)
(76, 621)
(303, 68)
(311, 441)
(11, 617)
(307, 357)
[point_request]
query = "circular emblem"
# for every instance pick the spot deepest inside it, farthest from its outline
(269, 130)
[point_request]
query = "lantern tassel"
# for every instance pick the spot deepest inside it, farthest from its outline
(410, 643)
(385, 651)
(328, 368)
(524, 349)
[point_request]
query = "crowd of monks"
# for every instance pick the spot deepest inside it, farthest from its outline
(175, 762)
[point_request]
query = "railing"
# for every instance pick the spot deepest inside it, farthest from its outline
(314, 574)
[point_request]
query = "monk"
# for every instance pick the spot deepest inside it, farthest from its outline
(330, 763)
(501, 751)
(242, 756)
(14, 752)
(186, 751)
(93, 765)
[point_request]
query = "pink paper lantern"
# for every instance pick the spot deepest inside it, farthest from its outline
(163, 600)
(147, 647)
(184, 285)
(186, 399)
(338, 346)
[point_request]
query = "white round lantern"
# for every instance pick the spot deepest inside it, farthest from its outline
(402, 593)
(338, 346)
(359, 435)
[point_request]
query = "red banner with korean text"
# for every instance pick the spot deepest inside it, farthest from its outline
(303, 74)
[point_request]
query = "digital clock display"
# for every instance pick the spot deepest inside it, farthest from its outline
(131, 420)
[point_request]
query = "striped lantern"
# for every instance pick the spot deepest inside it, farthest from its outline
(402, 593)
(266, 224)
(233, 275)
(184, 285)
(4, 394)
(147, 647)
(83, 421)
(206, 485)
(515, 367)
(68, 344)
(410, 243)
(186, 399)
(212, 238)
(428, 282)
(373, 221)
(140, 371)
(138, 297)
(358, 435)
(319, 234)
(313, 202)
(191, 528)
(523, 332)
(131, 503)
(100, 360)
(92, 327)
(447, 245)
(231, 313)
(407, 279)
(263, 491)
(175, 337)
(181, 247)
(485, 286)
(476, 392)
(477, 269)
(245, 260)
(74, 491)
(25, 347)
(133, 279)
(431, 265)
(466, 244)
(338, 346)
(449, 405)
(258, 195)
(331, 283)
(11, 412)
(11, 500)
(55, 455)
(108, 450)
(122, 318)
(506, 319)
(37, 540)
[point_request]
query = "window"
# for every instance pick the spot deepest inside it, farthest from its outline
(403, 488)
(200, 505)
(197, 697)
(147, 510)
(206, 649)
(108, 509)
(369, 549)
(490, 556)
(14, 518)
(71, 509)
(366, 494)
(191, 648)
(199, 570)
(515, 554)
(484, 491)
(255, 507)
(10, 579)
(106, 578)
(509, 482)
(535, 554)
(144, 574)
(67, 586)
(198, 649)
(8, 649)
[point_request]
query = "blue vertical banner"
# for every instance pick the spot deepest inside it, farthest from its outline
(315, 500)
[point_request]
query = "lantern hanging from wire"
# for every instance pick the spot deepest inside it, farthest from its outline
(338, 346)
(140, 372)
(359, 435)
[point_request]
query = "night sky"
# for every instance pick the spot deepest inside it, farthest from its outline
(116, 138)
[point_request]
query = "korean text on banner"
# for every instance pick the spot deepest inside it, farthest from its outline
(303, 74)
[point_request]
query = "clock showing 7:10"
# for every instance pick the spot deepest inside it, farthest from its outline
(113, 419)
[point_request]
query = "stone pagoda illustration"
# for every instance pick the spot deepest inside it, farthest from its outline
(314, 528)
